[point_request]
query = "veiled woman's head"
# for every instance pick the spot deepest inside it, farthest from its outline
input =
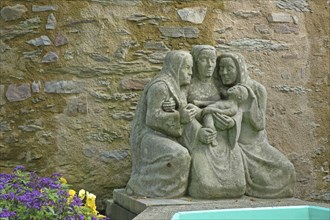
(231, 69)
(179, 65)
(204, 57)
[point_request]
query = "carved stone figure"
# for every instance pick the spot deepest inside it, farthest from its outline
(268, 173)
(203, 87)
(236, 96)
(217, 169)
(199, 129)
(160, 163)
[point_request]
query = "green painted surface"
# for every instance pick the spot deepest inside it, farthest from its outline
(264, 213)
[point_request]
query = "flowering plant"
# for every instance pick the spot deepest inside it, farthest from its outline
(25, 195)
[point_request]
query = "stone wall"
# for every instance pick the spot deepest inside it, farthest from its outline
(72, 72)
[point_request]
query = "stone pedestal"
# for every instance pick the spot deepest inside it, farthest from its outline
(124, 207)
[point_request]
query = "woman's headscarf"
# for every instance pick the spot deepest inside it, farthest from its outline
(172, 64)
(242, 73)
(168, 75)
(195, 52)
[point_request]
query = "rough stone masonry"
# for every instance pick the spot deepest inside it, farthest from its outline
(72, 73)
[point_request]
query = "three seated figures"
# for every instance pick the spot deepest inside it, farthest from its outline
(199, 130)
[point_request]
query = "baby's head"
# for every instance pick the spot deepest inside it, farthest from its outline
(238, 93)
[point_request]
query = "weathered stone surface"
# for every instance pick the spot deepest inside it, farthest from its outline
(156, 121)
(40, 41)
(151, 19)
(101, 95)
(122, 50)
(36, 86)
(68, 87)
(106, 156)
(18, 92)
(5, 126)
(99, 57)
(113, 69)
(104, 136)
(299, 90)
(123, 115)
(157, 57)
(12, 33)
(118, 2)
(33, 55)
(279, 18)
(50, 57)
(290, 56)
(297, 5)
(171, 1)
(295, 19)
(3, 47)
(31, 23)
(253, 44)
(77, 106)
(186, 32)
(286, 28)
(60, 40)
(155, 45)
(51, 22)
(115, 96)
(194, 15)
(134, 84)
(26, 110)
(10, 13)
(2, 95)
(223, 30)
(123, 32)
(68, 55)
(89, 152)
(99, 27)
(24, 27)
(262, 28)
(30, 128)
(38, 99)
(246, 14)
(74, 23)
(39, 8)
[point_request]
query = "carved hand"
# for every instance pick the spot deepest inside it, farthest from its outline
(223, 122)
(169, 105)
(207, 135)
(188, 113)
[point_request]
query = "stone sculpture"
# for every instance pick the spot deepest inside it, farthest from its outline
(268, 173)
(199, 129)
(160, 163)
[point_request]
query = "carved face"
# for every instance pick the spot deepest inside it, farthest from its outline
(227, 71)
(185, 71)
(238, 93)
(206, 63)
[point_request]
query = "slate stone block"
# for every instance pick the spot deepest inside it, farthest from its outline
(176, 32)
(18, 92)
(10, 13)
(279, 18)
(194, 15)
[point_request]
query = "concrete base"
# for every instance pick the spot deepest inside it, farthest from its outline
(120, 213)
(126, 207)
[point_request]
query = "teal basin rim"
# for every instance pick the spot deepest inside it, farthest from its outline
(304, 212)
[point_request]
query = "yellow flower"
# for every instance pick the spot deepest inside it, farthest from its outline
(100, 216)
(90, 201)
(63, 180)
(82, 194)
(72, 193)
